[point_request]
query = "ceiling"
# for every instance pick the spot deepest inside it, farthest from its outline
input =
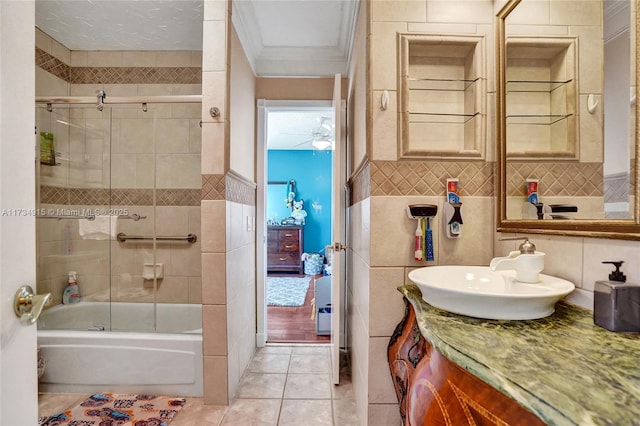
(282, 38)
(122, 25)
(298, 38)
(296, 129)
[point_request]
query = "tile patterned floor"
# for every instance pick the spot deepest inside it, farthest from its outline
(283, 385)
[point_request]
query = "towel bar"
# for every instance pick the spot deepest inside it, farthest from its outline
(135, 217)
(191, 238)
(68, 216)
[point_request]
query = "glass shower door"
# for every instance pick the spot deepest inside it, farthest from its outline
(155, 183)
(72, 191)
(115, 183)
(133, 182)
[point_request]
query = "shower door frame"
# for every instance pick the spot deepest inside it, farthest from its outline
(100, 101)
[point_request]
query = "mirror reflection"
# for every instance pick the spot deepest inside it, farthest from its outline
(569, 85)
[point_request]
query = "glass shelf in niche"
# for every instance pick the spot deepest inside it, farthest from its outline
(537, 120)
(440, 118)
(441, 84)
(535, 85)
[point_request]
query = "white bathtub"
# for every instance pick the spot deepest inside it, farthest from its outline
(165, 361)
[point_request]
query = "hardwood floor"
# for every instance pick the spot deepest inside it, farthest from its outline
(293, 324)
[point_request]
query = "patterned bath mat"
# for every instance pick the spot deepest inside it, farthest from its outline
(287, 291)
(108, 409)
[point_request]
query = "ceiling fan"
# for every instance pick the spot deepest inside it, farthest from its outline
(321, 136)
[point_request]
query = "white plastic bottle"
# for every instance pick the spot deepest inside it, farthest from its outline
(71, 292)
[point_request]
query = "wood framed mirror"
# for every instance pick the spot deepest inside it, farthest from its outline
(567, 47)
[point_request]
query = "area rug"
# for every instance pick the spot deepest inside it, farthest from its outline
(108, 409)
(287, 291)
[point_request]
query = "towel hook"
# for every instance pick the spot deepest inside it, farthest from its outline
(592, 103)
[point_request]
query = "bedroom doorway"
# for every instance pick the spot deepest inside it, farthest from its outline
(296, 149)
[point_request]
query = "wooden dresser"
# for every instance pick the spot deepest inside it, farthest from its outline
(284, 249)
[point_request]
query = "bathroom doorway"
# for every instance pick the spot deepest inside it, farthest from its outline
(296, 160)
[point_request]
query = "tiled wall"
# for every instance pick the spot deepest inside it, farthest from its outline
(124, 67)
(115, 158)
(381, 253)
(385, 185)
(358, 255)
(228, 208)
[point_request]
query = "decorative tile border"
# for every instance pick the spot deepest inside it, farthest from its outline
(401, 178)
(360, 184)
(213, 187)
(54, 195)
(556, 179)
(117, 75)
(240, 190)
(230, 187)
(119, 197)
(53, 65)
(178, 197)
(92, 196)
(135, 75)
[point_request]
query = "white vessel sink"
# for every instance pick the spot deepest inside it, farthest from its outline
(477, 291)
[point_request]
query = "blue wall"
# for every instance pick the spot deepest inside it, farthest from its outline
(312, 172)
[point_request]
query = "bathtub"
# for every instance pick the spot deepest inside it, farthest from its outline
(81, 359)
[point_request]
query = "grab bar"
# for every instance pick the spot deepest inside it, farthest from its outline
(122, 237)
(68, 216)
(135, 217)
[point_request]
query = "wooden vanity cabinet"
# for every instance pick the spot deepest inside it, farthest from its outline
(433, 391)
(284, 249)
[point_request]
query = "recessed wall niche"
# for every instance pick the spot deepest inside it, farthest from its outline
(442, 96)
(541, 97)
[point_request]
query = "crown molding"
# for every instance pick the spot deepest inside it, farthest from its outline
(299, 61)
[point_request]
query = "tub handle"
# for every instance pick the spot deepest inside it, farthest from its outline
(28, 306)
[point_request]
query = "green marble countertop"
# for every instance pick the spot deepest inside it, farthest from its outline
(563, 368)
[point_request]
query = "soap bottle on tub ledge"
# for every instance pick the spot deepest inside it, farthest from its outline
(71, 292)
